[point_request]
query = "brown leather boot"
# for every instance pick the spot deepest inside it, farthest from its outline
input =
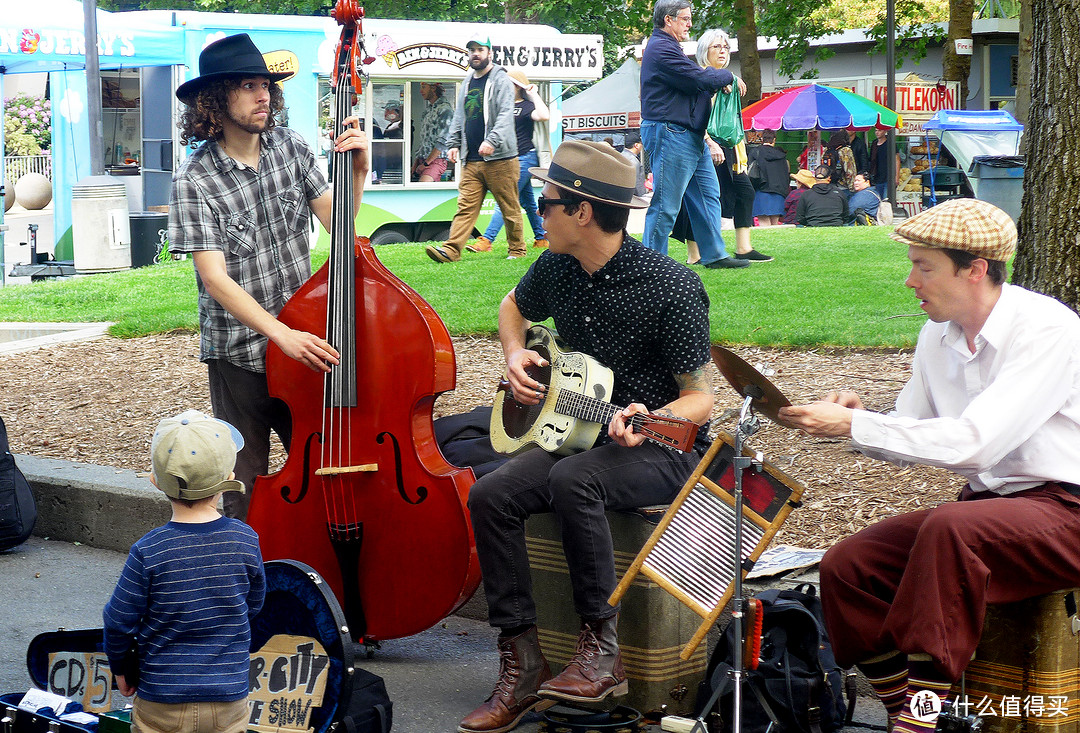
(595, 671)
(522, 669)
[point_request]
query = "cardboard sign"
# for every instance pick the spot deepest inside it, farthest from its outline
(84, 677)
(287, 683)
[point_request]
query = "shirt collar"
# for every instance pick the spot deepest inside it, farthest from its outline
(226, 163)
(994, 332)
(619, 262)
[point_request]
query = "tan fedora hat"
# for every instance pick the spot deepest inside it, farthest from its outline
(594, 171)
(805, 177)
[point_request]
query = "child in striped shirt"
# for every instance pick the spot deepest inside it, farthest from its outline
(188, 591)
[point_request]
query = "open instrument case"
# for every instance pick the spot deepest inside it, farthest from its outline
(301, 665)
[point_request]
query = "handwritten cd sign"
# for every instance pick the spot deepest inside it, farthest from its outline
(287, 683)
(84, 677)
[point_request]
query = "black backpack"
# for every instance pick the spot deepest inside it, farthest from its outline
(753, 170)
(797, 678)
(370, 709)
(18, 510)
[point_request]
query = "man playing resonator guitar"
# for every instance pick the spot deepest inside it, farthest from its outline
(641, 314)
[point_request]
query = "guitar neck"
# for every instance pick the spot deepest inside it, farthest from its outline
(672, 432)
(584, 407)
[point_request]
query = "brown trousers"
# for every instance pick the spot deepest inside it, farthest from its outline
(477, 178)
(920, 582)
(189, 717)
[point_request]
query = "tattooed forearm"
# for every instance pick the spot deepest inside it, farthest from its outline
(695, 381)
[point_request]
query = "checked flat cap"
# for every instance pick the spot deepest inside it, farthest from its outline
(969, 225)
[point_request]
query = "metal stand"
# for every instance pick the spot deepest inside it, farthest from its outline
(40, 267)
(748, 425)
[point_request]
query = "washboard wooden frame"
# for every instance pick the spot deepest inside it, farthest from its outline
(690, 554)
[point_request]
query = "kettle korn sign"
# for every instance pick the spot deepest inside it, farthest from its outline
(287, 683)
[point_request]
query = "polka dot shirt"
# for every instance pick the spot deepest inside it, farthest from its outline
(643, 315)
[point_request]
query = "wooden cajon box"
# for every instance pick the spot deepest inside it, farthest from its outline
(653, 625)
(1025, 676)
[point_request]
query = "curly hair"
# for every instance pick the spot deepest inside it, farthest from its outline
(204, 116)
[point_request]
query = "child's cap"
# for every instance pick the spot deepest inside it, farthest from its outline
(194, 454)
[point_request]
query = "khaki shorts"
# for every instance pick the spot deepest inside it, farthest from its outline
(189, 717)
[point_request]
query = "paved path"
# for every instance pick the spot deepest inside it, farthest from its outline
(434, 678)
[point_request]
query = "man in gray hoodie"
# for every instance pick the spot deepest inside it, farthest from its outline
(482, 132)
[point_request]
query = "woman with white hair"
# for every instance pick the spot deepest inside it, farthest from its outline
(727, 147)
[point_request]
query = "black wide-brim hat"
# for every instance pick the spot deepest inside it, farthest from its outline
(232, 56)
(595, 171)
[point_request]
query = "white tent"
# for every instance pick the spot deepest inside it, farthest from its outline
(613, 103)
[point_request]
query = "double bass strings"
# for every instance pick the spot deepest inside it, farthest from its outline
(340, 381)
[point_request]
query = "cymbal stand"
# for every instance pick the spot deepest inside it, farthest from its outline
(748, 425)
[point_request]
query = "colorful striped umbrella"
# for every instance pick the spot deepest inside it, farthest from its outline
(818, 107)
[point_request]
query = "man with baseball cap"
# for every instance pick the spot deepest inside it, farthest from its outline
(824, 205)
(241, 204)
(995, 397)
(188, 590)
(482, 133)
(646, 317)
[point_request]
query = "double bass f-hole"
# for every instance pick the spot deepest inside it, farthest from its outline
(287, 490)
(421, 491)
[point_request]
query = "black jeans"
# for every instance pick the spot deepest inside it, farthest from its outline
(240, 398)
(578, 489)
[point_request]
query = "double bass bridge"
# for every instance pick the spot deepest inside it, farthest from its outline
(341, 470)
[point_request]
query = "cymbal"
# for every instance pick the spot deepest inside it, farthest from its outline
(749, 382)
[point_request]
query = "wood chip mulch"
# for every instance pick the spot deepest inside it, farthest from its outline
(98, 402)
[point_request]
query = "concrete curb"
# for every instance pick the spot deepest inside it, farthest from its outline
(110, 508)
(98, 506)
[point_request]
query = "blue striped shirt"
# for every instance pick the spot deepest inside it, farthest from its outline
(188, 593)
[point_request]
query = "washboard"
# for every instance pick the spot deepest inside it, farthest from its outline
(691, 552)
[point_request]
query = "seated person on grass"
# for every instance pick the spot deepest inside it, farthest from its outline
(824, 205)
(864, 198)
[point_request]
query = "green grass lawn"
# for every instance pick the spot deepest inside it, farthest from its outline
(827, 287)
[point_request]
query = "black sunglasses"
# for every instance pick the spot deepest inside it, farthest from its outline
(542, 203)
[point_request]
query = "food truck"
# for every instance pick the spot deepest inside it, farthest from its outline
(397, 208)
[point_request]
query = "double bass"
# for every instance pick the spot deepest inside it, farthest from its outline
(366, 497)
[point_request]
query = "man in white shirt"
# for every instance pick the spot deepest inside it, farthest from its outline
(995, 397)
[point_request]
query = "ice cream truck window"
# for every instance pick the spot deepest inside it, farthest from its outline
(405, 121)
(326, 115)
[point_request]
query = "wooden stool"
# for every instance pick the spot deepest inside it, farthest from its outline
(1025, 676)
(653, 625)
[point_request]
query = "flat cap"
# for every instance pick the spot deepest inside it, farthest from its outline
(969, 225)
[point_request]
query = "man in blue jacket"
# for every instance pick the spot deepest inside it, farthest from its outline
(676, 97)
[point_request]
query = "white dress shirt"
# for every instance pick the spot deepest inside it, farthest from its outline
(1006, 417)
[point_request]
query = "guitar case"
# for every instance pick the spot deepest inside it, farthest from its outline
(299, 643)
(18, 511)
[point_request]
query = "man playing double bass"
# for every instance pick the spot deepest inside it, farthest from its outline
(644, 316)
(241, 203)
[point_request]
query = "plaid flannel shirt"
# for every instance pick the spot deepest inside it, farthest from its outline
(259, 219)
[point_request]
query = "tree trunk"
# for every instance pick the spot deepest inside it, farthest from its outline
(954, 66)
(749, 60)
(1048, 253)
(1023, 64)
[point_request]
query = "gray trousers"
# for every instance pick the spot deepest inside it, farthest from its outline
(579, 489)
(240, 398)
